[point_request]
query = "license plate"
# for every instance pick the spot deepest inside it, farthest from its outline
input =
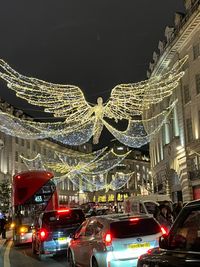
(142, 245)
(62, 240)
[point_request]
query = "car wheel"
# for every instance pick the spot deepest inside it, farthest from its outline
(70, 259)
(94, 263)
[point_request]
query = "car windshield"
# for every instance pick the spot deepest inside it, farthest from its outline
(132, 228)
(63, 219)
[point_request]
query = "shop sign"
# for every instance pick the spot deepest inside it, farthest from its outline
(111, 197)
(102, 198)
(122, 196)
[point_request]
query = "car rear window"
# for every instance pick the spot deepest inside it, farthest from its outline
(151, 207)
(63, 219)
(140, 227)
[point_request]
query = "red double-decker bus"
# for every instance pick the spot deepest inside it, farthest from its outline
(33, 192)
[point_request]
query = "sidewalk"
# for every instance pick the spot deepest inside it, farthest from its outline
(3, 241)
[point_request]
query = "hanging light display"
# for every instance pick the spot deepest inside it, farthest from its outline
(81, 120)
(87, 175)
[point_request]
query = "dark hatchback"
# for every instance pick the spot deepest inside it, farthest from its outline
(53, 230)
(181, 247)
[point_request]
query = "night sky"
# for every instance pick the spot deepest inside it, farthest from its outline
(94, 44)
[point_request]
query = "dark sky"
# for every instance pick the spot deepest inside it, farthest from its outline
(94, 44)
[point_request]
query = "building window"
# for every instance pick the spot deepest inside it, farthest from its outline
(189, 130)
(28, 144)
(196, 51)
(16, 156)
(197, 80)
(187, 96)
(34, 147)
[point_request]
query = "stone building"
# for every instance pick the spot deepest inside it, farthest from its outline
(175, 151)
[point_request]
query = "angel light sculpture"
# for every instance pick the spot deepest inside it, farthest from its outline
(79, 120)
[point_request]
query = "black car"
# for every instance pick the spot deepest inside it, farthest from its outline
(53, 230)
(181, 247)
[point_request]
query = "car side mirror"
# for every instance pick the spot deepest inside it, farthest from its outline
(163, 242)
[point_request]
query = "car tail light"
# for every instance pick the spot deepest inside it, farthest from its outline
(43, 234)
(108, 239)
(63, 211)
(164, 230)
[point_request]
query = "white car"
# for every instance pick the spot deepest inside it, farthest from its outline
(113, 240)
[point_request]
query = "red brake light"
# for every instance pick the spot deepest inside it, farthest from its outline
(108, 239)
(43, 233)
(163, 230)
(63, 211)
(134, 219)
(149, 251)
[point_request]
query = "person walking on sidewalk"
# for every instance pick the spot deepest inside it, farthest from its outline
(3, 226)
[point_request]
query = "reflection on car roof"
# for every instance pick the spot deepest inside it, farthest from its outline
(124, 216)
(191, 203)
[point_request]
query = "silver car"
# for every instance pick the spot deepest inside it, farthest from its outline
(113, 240)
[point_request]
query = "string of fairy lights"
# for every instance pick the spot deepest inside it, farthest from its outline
(79, 120)
(86, 173)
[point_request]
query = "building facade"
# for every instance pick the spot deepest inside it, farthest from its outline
(175, 151)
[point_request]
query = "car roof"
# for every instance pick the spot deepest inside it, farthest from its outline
(192, 203)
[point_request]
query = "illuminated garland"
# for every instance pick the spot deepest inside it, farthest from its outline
(74, 157)
(87, 176)
(81, 119)
(119, 180)
(94, 167)
(135, 134)
(35, 163)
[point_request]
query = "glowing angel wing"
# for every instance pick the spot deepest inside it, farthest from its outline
(64, 101)
(129, 100)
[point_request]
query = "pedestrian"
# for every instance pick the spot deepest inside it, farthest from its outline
(164, 218)
(3, 226)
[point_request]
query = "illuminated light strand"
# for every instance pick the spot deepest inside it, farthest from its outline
(83, 120)
(135, 134)
(21, 128)
(74, 157)
(35, 163)
(119, 180)
(83, 174)
(98, 166)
